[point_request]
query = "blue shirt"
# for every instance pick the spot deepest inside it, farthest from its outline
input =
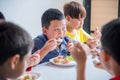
(40, 41)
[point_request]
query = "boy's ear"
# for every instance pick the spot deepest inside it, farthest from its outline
(68, 18)
(14, 61)
(44, 30)
(106, 56)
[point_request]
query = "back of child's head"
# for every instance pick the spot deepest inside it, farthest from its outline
(111, 39)
(13, 40)
(2, 16)
(74, 10)
(50, 15)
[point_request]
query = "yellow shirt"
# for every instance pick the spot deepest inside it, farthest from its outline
(79, 35)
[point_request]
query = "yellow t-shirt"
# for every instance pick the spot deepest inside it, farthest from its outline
(79, 35)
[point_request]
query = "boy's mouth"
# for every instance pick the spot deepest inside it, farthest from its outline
(59, 40)
(79, 27)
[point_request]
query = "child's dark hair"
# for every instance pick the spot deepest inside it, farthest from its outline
(111, 39)
(13, 40)
(50, 15)
(2, 16)
(74, 10)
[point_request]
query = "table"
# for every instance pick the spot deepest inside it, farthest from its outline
(49, 71)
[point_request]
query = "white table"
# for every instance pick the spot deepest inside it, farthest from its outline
(49, 71)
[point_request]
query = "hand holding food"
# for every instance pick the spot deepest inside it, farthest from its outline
(97, 34)
(79, 53)
(50, 45)
(34, 59)
(69, 45)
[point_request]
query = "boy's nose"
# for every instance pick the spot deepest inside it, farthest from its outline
(61, 34)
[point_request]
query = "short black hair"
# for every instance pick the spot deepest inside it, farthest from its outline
(111, 39)
(2, 16)
(49, 15)
(13, 40)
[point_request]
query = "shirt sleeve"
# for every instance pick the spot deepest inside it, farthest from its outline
(84, 36)
(38, 44)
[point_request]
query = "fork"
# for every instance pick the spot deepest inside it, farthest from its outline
(64, 56)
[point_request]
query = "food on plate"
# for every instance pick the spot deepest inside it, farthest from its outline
(69, 58)
(29, 76)
(61, 60)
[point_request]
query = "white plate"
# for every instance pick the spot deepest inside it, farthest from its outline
(71, 63)
(34, 76)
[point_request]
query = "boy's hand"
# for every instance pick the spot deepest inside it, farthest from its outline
(69, 45)
(50, 45)
(97, 34)
(97, 62)
(34, 59)
(79, 53)
(92, 43)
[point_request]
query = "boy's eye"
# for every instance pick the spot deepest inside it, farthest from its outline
(60, 29)
(56, 29)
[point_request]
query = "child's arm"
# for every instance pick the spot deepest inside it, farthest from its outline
(97, 34)
(34, 59)
(49, 46)
(40, 54)
(79, 53)
(92, 42)
(69, 45)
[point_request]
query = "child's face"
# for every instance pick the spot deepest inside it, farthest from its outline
(21, 66)
(76, 23)
(56, 29)
(103, 56)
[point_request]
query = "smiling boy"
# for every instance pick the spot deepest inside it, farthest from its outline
(53, 28)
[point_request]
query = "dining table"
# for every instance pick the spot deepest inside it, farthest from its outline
(50, 71)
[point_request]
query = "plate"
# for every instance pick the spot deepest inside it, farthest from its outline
(71, 63)
(29, 76)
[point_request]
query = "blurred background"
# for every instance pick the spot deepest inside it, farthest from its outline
(27, 13)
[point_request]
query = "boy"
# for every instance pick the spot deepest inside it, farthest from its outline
(75, 14)
(34, 59)
(109, 55)
(53, 28)
(15, 50)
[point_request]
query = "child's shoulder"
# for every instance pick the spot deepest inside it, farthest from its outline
(1, 78)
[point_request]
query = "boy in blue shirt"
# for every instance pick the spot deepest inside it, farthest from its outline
(53, 28)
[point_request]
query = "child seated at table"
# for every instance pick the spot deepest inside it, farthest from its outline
(109, 55)
(53, 41)
(15, 50)
(75, 14)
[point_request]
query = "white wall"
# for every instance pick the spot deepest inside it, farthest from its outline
(27, 13)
